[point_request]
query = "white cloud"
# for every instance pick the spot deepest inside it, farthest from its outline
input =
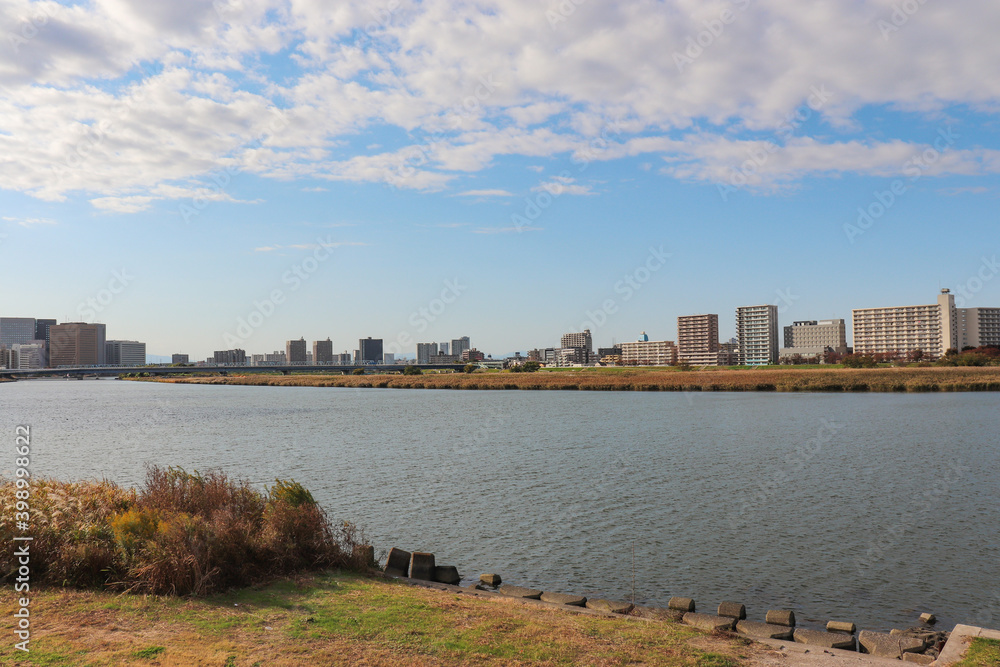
(29, 222)
(563, 185)
(441, 88)
(484, 193)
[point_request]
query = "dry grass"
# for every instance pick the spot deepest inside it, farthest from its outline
(337, 619)
(625, 379)
(180, 533)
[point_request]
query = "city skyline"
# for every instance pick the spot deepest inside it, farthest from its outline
(418, 171)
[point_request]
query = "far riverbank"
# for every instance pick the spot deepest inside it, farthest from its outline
(646, 379)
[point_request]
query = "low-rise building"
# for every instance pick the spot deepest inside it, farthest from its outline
(812, 339)
(649, 352)
(179, 359)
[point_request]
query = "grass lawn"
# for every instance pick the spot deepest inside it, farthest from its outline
(341, 619)
(982, 653)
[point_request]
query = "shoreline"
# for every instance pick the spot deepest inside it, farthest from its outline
(836, 380)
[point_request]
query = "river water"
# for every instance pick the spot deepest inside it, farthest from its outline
(868, 508)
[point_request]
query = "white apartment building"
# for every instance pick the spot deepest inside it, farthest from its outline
(649, 353)
(978, 327)
(757, 334)
(931, 328)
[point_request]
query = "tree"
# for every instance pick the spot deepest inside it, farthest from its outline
(470, 368)
(530, 366)
(915, 355)
(358, 371)
(412, 370)
(859, 361)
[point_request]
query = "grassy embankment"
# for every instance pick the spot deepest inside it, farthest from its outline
(268, 580)
(778, 378)
(982, 653)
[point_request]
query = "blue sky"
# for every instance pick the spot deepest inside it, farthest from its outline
(507, 171)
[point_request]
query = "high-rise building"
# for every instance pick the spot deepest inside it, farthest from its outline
(16, 330)
(582, 343)
(425, 351)
(698, 339)
(31, 355)
(77, 344)
(42, 329)
(443, 359)
(323, 351)
(978, 327)
(472, 354)
(811, 339)
(235, 357)
(460, 345)
(295, 351)
(125, 353)
(9, 358)
(444, 348)
(370, 350)
(757, 334)
(645, 352)
(342, 358)
(933, 328)
(179, 359)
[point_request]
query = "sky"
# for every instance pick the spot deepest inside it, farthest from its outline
(203, 176)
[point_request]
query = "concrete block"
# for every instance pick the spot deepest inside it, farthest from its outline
(563, 598)
(708, 622)
(841, 626)
(446, 574)
(764, 630)
(491, 579)
(824, 639)
(888, 646)
(422, 566)
(364, 554)
(733, 610)
(610, 606)
(398, 563)
(918, 658)
(781, 617)
(928, 618)
(519, 592)
(681, 604)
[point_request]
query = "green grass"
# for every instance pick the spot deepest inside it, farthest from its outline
(982, 652)
(347, 619)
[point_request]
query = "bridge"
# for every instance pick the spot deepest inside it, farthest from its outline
(223, 369)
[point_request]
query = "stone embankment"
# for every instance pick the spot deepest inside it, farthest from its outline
(919, 645)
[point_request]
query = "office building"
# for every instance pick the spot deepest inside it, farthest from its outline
(645, 352)
(323, 351)
(9, 358)
(698, 339)
(30, 355)
(295, 351)
(179, 359)
(472, 354)
(460, 345)
(444, 348)
(369, 351)
(343, 358)
(16, 330)
(42, 329)
(125, 353)
(442, 359)
(235, 357)
(811, 339)
(582, 343)
(77, 344)
(757, 334)
(425, 351)
(978, 327)
(931, 328)
(389, 358)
